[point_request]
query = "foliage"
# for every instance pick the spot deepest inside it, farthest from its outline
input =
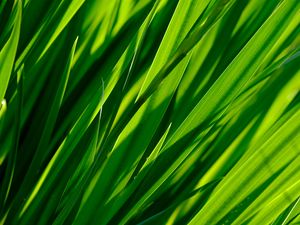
(150, 112)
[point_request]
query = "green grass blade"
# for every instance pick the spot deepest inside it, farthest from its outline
(8, 52)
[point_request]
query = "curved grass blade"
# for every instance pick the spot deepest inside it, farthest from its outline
(8, 52)
(7, 181)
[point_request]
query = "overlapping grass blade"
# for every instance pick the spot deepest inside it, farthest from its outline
(8, 52)
(149, 112)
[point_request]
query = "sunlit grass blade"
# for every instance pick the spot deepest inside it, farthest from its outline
(149, 112)
(8, 52)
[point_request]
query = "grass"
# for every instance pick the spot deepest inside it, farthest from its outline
(150, 112)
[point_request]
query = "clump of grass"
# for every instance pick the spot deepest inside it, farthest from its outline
(149, 112)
